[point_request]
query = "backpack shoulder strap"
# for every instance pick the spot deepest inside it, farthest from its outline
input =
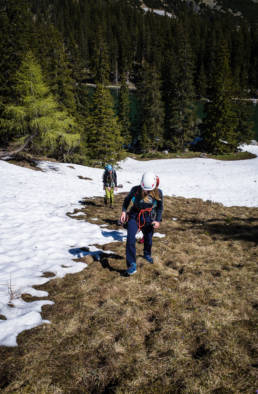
(138, 191)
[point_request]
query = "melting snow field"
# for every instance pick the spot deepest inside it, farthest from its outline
(36, 235)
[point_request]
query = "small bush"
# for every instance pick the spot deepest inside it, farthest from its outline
(153, 155)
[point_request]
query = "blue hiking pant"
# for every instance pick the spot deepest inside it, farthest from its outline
(132, 229)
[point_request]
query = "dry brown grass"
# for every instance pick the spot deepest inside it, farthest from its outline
(186, 324)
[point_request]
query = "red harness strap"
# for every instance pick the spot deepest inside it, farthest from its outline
(141, 213)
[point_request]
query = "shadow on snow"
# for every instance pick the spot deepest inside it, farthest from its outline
(117, 235)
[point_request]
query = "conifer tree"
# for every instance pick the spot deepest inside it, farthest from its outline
(50, 51)
(243, 111)
(244, 128)
(180, 106)
(169, 72)
(202, 82)
(103, 128)
(15, 32)
(152, 110)
(124, 111)
(210, 54)
(36, 119)
(219, 126)
(15, 22)
(237, 52)
(253, 66)
(101, 64)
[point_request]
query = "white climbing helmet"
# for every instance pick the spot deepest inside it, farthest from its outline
(148, 181)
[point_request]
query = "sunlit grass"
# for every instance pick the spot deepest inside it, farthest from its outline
(186, 324)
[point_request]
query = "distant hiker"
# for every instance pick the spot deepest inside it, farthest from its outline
(109, 184)
(145, 215)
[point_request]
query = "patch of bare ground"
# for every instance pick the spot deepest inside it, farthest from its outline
(186, 324)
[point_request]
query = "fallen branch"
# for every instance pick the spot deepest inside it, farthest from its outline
(7, 155)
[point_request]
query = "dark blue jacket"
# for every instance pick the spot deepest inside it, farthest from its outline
(110, 179)
(135, 195)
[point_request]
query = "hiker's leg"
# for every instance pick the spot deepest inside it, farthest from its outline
(111, 196)
(148, 231)
(107, 195)
(130, 242)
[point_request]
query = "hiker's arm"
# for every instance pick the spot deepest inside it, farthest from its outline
(126, 203)
(105, 183)
(159, 207)
(123, 217)
(127, 200)
(156, 223)
(115, 179)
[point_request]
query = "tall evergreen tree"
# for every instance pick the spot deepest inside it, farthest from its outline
(15, 32)
(103, 128)
(101, 62)
(124, 111)
(237, 53)
(152, 110)
(219, 127)
(202, 82)
(210, 54)
(180, 106)
(244, 128)
(253, 67)
(36, 119)
(49, 48)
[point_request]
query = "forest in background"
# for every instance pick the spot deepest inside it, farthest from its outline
(52, 49)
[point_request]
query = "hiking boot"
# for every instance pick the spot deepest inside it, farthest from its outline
(148, 258)
(132, 269)
(105, 201)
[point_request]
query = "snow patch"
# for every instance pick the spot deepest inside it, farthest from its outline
(37, 235)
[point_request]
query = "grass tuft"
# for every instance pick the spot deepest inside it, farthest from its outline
(186, 324)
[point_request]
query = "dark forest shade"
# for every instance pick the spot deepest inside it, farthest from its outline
(171, 61)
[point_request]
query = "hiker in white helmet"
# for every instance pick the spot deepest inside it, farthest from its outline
(144, 215)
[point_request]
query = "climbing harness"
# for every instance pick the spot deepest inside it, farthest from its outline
(141, 215)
